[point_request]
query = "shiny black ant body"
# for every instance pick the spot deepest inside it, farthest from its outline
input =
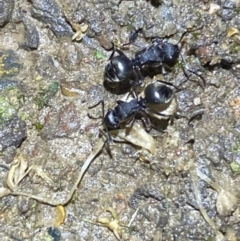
(156, 95)
(122, 70)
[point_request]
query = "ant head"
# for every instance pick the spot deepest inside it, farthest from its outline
(172, 52)
(111, 120)
(157, 93)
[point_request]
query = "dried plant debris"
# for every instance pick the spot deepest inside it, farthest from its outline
(80, 31)
(60, 215)
(199, 202)
(226, 202)
(4, 192)
(19, 169)
(137, 136)
(232, 31)
(112, 224)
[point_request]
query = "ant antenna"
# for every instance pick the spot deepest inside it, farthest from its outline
(185, 67)
(186, 32)
(185, 63)
(108, 136)
(170, 84)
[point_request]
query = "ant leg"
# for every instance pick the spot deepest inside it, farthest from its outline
(146, 121)
(186, 68)
(133, 36)
(112, 54)
(132, 92)
(139, 76)
(178, 116)
(91, 107)
(188, 31)
(120, 52)
(108, 142)
(164, 72)
(93, 117)
(115, 50)
(137, 84)
(157, 40)
(103, 133)
(103, 115)
(108, 136)
(182, 39)
(99, 102)
(168, 83)
(195, 115)
(130, 122)
(203, 80)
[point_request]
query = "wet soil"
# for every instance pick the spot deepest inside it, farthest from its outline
(52, 71)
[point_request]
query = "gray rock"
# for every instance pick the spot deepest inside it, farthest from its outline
(12, 132)
(6, 8)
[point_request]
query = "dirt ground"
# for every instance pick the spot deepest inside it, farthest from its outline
(176, 183)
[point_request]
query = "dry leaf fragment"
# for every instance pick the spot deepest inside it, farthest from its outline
(227, 201)
(4, 192)
(114, 225)
(40, 173)
(18, 171)
(55, 202)
(60, 215)
(21, 170)
(135, 135)
(80, 30)
(213, 8)
(232, 31)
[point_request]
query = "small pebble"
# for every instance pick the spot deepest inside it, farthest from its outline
(197, 101)
(54, 233)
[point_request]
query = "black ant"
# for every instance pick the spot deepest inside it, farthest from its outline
(120, 69)
(157, 95)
